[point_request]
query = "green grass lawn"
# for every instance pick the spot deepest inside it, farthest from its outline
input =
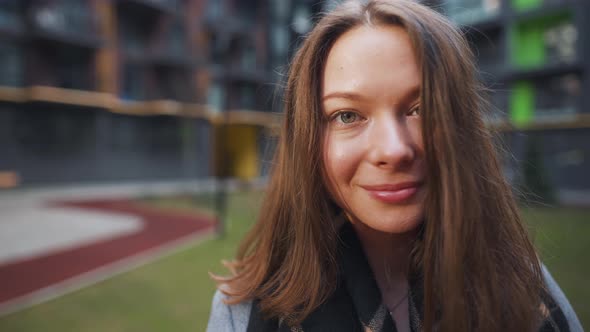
(562, 237)
(174, 293)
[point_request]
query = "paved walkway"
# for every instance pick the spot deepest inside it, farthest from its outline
(55, 240)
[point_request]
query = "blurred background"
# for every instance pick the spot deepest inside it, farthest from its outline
(161, 110)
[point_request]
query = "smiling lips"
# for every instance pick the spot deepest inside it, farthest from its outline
(393, 193)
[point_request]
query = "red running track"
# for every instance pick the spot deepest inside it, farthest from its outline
(22, 278)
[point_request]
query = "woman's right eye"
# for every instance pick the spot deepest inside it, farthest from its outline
(347, 117)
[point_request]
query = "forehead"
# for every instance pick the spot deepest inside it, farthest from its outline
(374, 60)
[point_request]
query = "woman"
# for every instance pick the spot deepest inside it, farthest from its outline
(387, 209)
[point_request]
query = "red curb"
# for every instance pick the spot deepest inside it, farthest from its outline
(21, 278)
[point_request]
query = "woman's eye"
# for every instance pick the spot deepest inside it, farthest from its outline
(347, 117)
(414, 111)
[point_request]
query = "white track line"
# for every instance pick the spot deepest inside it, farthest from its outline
(104, 272)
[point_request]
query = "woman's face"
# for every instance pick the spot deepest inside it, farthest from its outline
(373, 150)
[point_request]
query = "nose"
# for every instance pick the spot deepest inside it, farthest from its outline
(390, 143)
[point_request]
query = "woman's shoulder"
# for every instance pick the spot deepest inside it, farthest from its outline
(559, 297)
(228, 318)
(235, 317)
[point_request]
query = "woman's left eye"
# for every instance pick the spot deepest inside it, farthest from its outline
(414, 111)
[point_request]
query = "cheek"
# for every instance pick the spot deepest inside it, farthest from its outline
(341, 160)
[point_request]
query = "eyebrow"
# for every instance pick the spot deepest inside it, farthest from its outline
(414, 93)
(343, 95)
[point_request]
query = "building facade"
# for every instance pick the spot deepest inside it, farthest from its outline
(534, 55)
(100, 91)
(109, 90)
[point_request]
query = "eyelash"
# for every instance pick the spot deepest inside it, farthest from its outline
(414, 111)
(337, 116)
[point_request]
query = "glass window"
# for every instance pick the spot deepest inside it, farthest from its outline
(69, 15)
(171, 4)
(133, 83)
(216, 96)
(50, 18)
(557, 96)
(489, 50)
(78, 15)
(302, 19)
(279, 35)
(214, 9)
(51, 130)
(177, 39)
(470, 11)
(280, 9)
(132, 39)
(11, 73)
(247, 10)
(560, 42)
(248, 59)
(10, 14)
(217, 49)
(247, 97)
(164, 135)
(124, 133)
(499, 100)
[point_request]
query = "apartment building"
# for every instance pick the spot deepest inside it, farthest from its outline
(105, 90)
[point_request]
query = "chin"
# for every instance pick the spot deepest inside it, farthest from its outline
(395, 223)
(387, 218)
(393, 219)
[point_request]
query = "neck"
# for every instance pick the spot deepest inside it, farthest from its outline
(389, 257)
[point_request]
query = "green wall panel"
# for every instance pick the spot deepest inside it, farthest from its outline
(527, 46)
(527, 41)
(522, 103)
(525, 4)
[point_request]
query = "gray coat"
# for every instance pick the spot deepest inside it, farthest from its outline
(234, 318)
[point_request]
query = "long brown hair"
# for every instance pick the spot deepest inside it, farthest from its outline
(480, 269)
